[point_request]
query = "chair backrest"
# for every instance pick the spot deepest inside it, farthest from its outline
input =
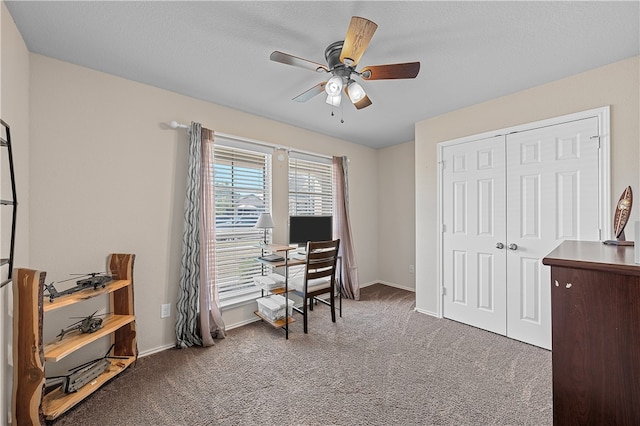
(322, 257)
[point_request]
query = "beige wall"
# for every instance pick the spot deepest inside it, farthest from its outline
(615, 84)
(14, 109)
(109, 176)
(396, 215)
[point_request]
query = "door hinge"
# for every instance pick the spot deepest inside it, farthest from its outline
(444, 228)
(596, 137)
(441, 164)
(444, 291)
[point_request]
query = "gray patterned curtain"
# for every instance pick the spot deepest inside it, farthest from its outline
(348, 266)
(199, 320)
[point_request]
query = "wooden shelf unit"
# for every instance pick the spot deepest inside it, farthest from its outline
(30, 405)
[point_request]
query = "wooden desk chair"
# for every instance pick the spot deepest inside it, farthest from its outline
(319, 277)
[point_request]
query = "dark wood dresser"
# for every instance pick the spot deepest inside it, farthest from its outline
(595, 311)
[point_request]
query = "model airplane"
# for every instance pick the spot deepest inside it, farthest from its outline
(94, 279)
(82, 374)
(89, 324)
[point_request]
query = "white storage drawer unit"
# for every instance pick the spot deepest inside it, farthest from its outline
(273, 307)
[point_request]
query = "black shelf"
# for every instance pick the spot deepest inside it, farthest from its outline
(5, 142)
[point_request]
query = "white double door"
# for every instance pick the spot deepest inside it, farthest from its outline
(507, 201)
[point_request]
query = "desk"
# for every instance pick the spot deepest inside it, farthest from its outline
(274, 248)
(286, 263)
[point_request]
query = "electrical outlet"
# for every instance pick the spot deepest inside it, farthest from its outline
(165, 310)
(412, 269)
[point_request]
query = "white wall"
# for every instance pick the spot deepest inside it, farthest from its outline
(616, 84)
(396, 215)
(108, 176)
(14, 109)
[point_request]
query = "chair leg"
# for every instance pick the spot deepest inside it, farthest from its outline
(340, 296)
(311, 303)
(333, 307)
(304, 315)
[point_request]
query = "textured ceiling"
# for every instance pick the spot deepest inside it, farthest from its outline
(219, 51)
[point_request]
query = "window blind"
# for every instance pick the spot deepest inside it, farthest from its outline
(242, 184)
(310, 187)
(310, 190)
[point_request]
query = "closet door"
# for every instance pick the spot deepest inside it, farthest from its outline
(552, 193)
(473, 211)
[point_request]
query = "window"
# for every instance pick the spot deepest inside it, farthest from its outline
(242, 184)
(310, 185)
(310, 189)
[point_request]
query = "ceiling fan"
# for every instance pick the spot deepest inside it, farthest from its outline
(342, 58)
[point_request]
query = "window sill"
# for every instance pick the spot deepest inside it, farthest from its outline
(240, 300)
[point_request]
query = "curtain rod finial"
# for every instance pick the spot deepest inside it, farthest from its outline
(174, 125)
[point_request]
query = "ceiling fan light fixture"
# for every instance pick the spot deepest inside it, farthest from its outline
(355, 92)
(334, 100)
(341, 58)
(334, 86)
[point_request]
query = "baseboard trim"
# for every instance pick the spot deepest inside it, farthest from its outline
(426, 312)
(369, 283)
(156, 350)
(241, 323)
(401, 287)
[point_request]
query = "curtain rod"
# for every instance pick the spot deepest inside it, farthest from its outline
(175, 125)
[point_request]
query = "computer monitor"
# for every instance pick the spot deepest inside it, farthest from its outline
(310, 228)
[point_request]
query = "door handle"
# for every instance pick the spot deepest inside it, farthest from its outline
(500, 246)
(513, 246)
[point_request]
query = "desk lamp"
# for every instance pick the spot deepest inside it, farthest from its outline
(265, 222)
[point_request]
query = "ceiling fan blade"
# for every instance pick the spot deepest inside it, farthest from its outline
(287, 59)
(314, 91)
(391, 71)
(357, 39)
(363, 103)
